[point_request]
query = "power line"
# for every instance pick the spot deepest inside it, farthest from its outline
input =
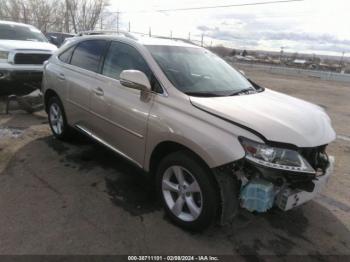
(223, 6)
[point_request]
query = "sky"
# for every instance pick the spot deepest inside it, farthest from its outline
(309, 26)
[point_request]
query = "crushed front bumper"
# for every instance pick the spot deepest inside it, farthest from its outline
(283, 197)
(20, 75)
(21, 80)
(287, 198)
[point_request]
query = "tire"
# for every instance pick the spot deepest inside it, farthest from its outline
(57, 120)
(188, 191)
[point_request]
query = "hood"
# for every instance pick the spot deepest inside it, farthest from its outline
(278, 117)
(12, 45)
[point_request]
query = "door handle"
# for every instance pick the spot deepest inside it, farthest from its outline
(99, 91)
(61, 77)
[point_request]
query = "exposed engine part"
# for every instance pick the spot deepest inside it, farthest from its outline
(259, 188)
(241, 176)
(316, 156)
(279, 178)
(289, 198)
(257, 195)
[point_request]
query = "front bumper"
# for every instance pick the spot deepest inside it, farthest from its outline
(22, 75)
(287, 198)
(262, 194)
(20, 81)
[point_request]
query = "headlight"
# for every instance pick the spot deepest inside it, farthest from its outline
(273, 157)
(4, 56)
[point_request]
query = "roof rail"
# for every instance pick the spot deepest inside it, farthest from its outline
(107, 32)
(187, 41)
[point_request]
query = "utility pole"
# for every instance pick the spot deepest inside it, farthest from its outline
(171, 34)
(281, 55)
(101, 26)
(66, 18)
(189, 36)
(118, 22)
(25, 18)
(342, 58)
(129, 27)
(202, 40)
(150, 32)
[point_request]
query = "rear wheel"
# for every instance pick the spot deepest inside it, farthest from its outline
(57, 119)
(187, 190)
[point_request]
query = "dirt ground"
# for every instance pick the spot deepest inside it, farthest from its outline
(79, 198)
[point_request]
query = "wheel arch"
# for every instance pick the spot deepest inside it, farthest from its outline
(165, 148)
(48, 94)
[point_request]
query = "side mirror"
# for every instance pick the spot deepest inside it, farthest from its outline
(135, 79)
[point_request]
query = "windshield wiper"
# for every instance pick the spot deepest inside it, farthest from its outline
(202, 94)
(243, 91)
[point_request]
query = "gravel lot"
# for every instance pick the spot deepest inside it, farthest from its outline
(79, 198)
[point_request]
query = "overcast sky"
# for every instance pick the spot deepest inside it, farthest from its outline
(312, 26)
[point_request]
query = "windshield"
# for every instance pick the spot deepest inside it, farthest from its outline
(198, 72)
(22, 33)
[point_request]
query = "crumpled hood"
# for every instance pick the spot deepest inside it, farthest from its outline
(278, 117)
(11, 45)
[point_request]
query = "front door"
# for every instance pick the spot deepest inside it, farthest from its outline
(120, 114)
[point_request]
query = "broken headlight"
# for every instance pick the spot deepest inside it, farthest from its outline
(274, 157)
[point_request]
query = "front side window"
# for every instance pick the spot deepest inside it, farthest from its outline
(198, 72)
(21, 33)
(88, 54)
(66, 55)
(124, 57)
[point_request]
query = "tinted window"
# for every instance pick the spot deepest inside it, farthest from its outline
(123, 57)
(88, 54)
(66, 55)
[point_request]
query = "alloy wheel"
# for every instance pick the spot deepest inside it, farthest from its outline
(56, 119)
(182, 193)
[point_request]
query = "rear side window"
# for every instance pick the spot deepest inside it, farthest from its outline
(124, 57)
(66, 55)
(88, 54)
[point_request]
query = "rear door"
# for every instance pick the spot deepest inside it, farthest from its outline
(81, 80)
(55, 74)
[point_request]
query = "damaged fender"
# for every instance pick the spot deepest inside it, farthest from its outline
(229, 192)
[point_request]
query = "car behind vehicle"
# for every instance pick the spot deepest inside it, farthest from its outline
(23, 50)
(58, 38)
(212, 139)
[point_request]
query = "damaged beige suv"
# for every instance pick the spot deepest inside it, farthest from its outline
(213, 140)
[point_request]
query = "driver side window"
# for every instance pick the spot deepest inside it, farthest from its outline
(121, 57)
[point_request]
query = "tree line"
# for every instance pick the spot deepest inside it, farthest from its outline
(55, 15)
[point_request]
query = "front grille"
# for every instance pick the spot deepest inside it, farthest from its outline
(316, 156)
(31, 59)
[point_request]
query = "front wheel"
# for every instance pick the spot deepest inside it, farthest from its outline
(187, 190)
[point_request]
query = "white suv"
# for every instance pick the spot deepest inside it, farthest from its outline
(23, 51)
(212, 139)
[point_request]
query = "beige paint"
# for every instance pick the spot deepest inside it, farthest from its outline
(133, 122)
